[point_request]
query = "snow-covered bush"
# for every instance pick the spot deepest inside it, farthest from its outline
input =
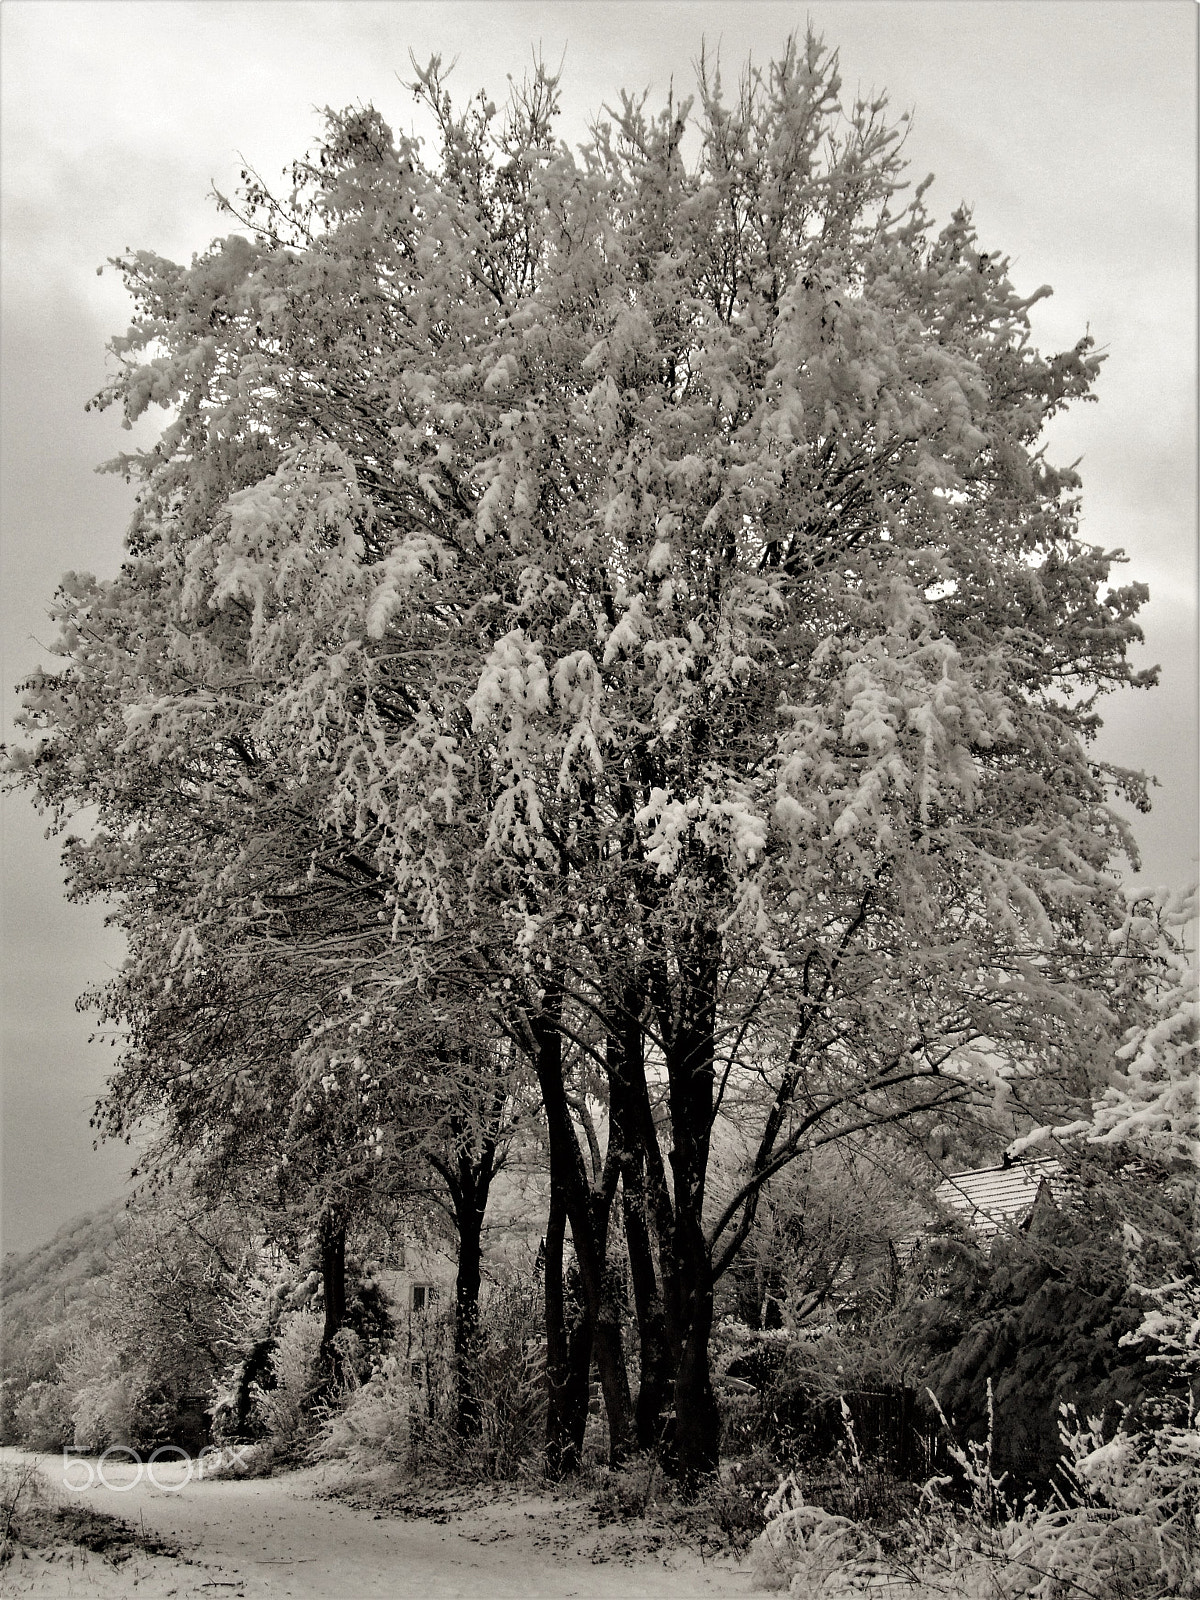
(104, 1413)
(285, 1410)
(1128, 1524)
(507, 1375)
(406, 1412)
(1123, 1522)
(510, 1381)
(44, 1419)
(374, 1425)
(11, 1390)
(1122, 1525)
(106, 1390)
(809, 1551)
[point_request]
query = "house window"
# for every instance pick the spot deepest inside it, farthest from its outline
(424, 1296)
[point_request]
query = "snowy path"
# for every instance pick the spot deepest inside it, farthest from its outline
(272, 1538)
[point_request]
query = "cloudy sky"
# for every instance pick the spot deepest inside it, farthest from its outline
(1069, 125)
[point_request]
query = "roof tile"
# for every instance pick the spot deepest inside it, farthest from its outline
(999, 1197)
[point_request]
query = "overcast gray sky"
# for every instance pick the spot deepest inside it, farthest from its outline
(1069, 125)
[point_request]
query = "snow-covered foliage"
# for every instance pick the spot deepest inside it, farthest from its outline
(1122, 1525)
(284, 1408)
(1124, 1520)
(625, 598)
(1154, 1100)
(404, 1414)
(808, 1551)
(1151, 1101)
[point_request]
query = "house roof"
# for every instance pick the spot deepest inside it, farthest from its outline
(999, 1197)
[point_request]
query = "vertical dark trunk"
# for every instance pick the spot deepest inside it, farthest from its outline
(467, 1168)
(557, 1461)
(627, 1087)
(332, 1239)
(697, 1435)
(476, 1167)
(612, 1370)
(588, 1213)
(697, 1420)
(466, 1319)
(653, 1347)
(580, 1346)
(690, 1058)
(568, 1356)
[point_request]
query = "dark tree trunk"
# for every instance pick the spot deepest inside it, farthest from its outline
(255, 1372)
(612, 1371)
(588, 1212)
(466, 1319)
(654, 1351)
(689, 1033)
(467, 1170)
(568, 1356)
(332, 1238)
(697, 1441)
(627, 1086)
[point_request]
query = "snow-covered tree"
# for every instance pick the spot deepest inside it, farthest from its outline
(642, 575)
(1154, 1098)
(254, 1047)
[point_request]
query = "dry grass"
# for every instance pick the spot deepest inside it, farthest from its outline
(33, 1518)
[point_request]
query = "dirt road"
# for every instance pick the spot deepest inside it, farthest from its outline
(276, 1537)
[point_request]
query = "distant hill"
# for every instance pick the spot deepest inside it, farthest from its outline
(77, 1251)
(45, 1294)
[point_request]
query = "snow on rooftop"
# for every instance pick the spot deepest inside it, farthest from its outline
(1000, 1197)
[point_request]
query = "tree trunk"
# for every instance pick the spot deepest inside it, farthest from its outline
(466, 1319)
(568, 1356)
(467, 1168)
(332, 1237)
(627, 1086)
(654, 1351)
(612, 1371)
(697, 1442)
(689, 1028)
(587, 1210)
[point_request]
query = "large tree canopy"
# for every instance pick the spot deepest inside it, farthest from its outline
(634, 580)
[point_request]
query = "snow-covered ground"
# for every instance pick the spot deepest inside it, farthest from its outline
(277, 1537)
